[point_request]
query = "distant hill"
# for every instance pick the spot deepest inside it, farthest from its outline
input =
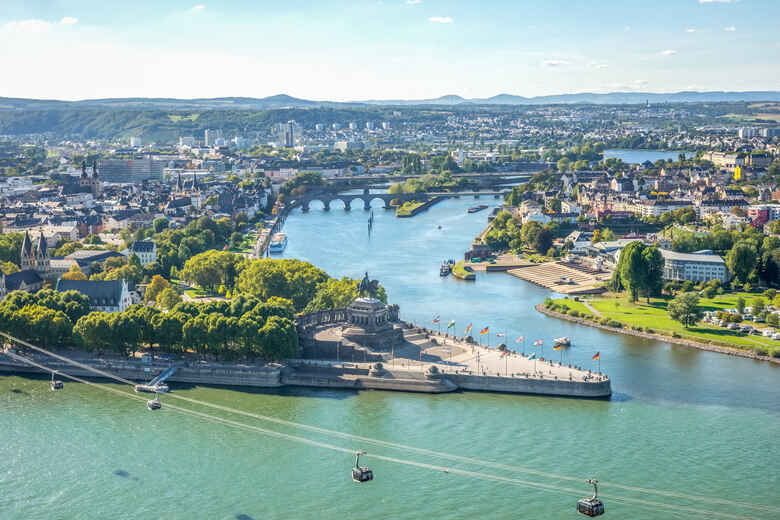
(285, 101)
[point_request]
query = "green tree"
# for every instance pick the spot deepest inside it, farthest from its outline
(633, 269)
(741, 305)
(741, 261)
(654, 271)
(684, 308)
(168, 299)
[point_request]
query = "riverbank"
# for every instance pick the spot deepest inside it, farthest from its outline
(410, 209)
(460, 272)
(658, 337)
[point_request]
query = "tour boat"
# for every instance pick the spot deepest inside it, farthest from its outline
(278, 243)
(474, 209)
(563, 341)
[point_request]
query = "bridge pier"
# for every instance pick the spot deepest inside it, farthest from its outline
(366, 204)
(326, 205)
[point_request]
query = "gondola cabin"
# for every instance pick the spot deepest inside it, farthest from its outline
(591, 506)
(56, 384)
(361, 473)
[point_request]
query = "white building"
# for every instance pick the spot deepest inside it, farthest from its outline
(145, 250)
(696, 267)
(135, 142)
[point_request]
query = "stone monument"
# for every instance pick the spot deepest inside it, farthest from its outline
(369, 321)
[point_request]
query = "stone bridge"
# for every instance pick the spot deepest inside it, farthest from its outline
(367, 197)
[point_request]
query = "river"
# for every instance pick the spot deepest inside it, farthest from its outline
(680, 420)
(640, 156)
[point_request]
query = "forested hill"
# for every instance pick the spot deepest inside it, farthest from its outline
(164, 125)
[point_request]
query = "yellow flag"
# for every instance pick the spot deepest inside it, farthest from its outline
(737, 173)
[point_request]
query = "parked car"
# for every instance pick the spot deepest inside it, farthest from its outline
(758, 319)
(767, 333)
(776, 336)
(746, 328)
(733, 326)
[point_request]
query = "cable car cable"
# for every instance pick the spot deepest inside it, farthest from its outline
(485, 476)
(392, 445)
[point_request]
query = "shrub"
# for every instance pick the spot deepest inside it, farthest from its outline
(650, 331)
(776, 353)
(574, 312)
(675, 335)
(548, 302)
(616, 324)
(758, 351)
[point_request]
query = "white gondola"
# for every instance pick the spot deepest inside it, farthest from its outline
(56, 384)
(154, 404)
(591, 506)
(361, 473)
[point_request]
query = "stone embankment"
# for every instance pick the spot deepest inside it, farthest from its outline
(659, 337)
(422, 207)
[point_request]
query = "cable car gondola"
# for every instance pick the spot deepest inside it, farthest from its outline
(154, 404)
(591, 506)
(361, 473)
(56, 384)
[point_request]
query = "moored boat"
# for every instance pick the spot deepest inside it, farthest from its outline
(278, 243)
(474, 209)
(445, 269)
(562, 341)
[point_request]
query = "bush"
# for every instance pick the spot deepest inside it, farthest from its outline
(758, 351)
(615, 324)
(776, 353)
(548, 302)
(675, 335)
(574, 313)
(650, 331)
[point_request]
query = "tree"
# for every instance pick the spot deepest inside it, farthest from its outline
(654, 265)
(168, 299)
(563, 164)
(74, 273)
(741, 260)
(759, 305)
(684, 308)
(8, 267)
(740, 305)
(160, 224)
(155, 287)
(632, 268)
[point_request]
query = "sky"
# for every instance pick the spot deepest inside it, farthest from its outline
(383, 49)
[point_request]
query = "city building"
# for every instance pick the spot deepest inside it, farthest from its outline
(187, 141)
(696, 267)
(104, 295)
(145, 250)
(135, 142)
(131, 170)
(210, 137)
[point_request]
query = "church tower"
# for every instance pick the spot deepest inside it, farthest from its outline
(26, 257)
(42, 258)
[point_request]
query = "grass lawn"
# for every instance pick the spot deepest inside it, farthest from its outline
(407, 208)
(198, 293)
(459, 271)
(654, 316)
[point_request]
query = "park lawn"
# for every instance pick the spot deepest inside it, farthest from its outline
(655, 317)
(577, 306)
(406, 209)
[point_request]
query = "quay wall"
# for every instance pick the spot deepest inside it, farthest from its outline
(522, 385)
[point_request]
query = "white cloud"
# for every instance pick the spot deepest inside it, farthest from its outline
(730, 28)
(640, 82)
(714, 1)
(597, 65)
(690, 30)
(33, 26)
(440, 19)
(198, 8)
(555, 63)
(413, 2)
(669, 52)
(69, 20)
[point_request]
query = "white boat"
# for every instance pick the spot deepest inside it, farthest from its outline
(278, 243)
(562, 341)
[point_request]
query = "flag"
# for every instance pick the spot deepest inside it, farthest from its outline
(484, 331)
(557, 347)
(451, 324)
(500, 335)
(520, 339)
(532, 356)
(597, 355)
(538, 343)
(437, 319)
(468, 329)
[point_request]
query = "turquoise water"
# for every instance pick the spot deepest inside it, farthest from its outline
(640, 156)
(681, 420)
